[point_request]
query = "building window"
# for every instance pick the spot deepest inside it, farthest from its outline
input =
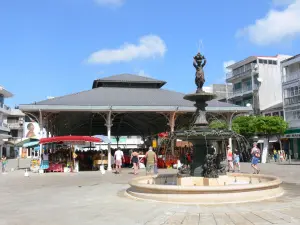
(265, 61)
(261, 61)
(275, 114)
(14, 133)
(274, 62)
(237, 86)
(270, 62)
(1, 100)
(268, 114)
(281, 113)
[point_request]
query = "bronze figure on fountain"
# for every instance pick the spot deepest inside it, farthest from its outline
(199, 63)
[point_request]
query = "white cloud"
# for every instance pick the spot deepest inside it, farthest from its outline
(223, 78)
(226, 64)
(143, 74)
(276, 26)
(148, 46)
(114, 3)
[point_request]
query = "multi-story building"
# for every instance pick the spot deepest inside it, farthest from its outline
(222, 91)
(11, 126)
(290, 69)
(256, 80)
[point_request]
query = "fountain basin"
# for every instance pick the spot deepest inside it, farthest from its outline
(231, 188)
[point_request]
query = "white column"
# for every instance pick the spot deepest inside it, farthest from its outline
(41, 133)
(172, 126)
(109, 125)
(230, 128)
(265, 151)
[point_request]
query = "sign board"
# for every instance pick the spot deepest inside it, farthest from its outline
(295, 135)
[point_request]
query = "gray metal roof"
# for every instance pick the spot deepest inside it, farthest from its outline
(125, 98)
(274, 107)
(126, 77)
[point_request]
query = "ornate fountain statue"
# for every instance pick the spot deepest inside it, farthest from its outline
(205, 163)
(200, 182)
(199, 63)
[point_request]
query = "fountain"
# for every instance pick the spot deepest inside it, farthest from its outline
(205, 182)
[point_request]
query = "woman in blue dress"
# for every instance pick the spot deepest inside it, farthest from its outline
(45, 161)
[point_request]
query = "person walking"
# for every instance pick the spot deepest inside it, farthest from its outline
(151, 160)
(236, 161)
(135, 161)
(229, 159)
(281, 155)
(119, 159)
(275, 154)
(3, 163)
(255, 152)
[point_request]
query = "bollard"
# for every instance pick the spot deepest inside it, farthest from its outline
(26, 174)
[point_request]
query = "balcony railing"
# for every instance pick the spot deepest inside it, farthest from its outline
(291, 76)
(245, 70)
(292, 100)
(247, 88)
(240, 92)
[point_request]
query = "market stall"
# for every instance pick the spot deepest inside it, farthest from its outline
(63, 158)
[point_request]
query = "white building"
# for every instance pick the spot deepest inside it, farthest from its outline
(222, 91)
(290, 69)
(11, 126)
(256, 74)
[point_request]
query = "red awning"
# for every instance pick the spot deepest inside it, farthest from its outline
(69, 139)
(163, 135)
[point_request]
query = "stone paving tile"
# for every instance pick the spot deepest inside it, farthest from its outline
(222, 219)
(191, 219)
(254, 218)
(238, 219)
(176, 219)
(269, 217)
(207, 219)
(285, 217)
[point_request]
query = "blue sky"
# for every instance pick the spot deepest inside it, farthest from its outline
(56, 47)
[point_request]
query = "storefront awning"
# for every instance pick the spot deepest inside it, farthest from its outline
(70, 139)
(104, 139)
(26, 141)
(31, 144)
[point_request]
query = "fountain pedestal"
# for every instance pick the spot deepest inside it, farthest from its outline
(196, 136)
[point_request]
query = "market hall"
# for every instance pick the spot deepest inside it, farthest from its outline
(122, 105)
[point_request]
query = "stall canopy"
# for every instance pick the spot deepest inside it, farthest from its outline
(31, 144)
(69, 139)
(104, 139)
(27, 141)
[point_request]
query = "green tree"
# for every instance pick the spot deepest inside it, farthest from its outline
(244, 125)
(218, 124)
(270, 126)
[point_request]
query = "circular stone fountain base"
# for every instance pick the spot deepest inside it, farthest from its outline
(231, 188)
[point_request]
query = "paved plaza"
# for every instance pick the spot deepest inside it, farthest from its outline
(93, 198)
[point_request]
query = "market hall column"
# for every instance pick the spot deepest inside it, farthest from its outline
(109, 125)
(41, 132)
(172, 119)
